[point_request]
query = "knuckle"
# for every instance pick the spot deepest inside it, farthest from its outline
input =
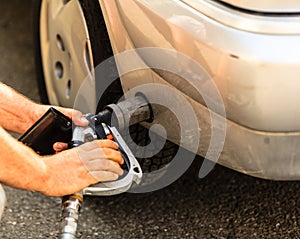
(106, 152)
(98, 153)
(115, 176)
(103, 164)
(94, 144)
(101, 143)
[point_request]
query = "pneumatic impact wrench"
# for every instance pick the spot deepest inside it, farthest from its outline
(55, 127)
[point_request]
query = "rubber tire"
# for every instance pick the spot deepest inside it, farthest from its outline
(36, 6)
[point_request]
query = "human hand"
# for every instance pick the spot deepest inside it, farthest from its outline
(72, 170)
(77, 117)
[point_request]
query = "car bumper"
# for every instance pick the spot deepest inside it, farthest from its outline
(254, 64)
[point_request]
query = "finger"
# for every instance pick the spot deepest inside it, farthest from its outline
(75, 115)
(113, 154)
(79, 119)
(99, 144)
(58, 147)
(108, 153)
(107, 143)
(104, 176)
(104, 165)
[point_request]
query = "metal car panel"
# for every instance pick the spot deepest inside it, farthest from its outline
(257, 73)
(247, 21)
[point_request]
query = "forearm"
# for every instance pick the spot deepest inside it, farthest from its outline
(20, 166)
(60, 174)
(18, 113)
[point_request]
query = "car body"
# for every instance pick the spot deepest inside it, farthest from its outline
(251, 51)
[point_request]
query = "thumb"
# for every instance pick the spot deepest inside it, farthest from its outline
(79, 119)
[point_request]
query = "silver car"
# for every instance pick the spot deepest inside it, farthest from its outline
(250, 50)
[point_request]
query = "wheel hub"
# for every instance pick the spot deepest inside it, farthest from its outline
(65, 49)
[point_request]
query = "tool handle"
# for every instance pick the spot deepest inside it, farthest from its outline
(52, 127)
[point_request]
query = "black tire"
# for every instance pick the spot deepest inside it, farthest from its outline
(36, 6)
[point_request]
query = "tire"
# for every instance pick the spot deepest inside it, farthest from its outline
(101, 50)
(36, 5)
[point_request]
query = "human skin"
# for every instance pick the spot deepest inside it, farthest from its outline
(56, 175)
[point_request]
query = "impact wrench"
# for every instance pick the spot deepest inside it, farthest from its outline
(56, 127)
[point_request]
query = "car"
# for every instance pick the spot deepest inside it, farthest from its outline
(249, 50)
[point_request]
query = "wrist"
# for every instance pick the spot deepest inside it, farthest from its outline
(42, 182)
(38, 111)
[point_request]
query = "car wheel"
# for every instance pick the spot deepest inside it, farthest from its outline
(71, 39)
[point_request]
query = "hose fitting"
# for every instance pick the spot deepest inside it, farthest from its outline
(131, 111)
(71, 206)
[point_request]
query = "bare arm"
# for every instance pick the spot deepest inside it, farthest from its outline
(57, 175)
(18, 113)
(19, 166)
(60, 174)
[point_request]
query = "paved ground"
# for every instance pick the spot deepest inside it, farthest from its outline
(226, 204)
